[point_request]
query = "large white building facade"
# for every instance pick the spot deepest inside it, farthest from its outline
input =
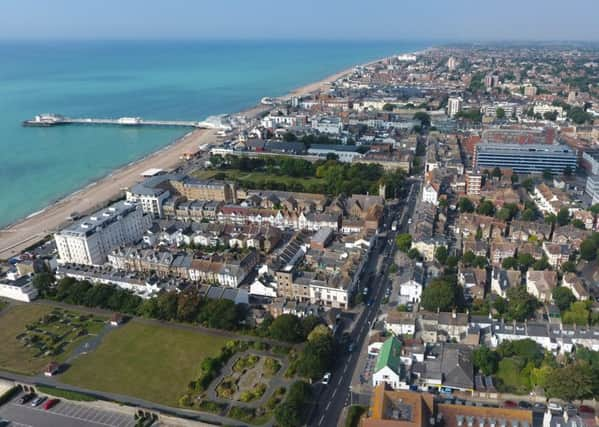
(89, 240)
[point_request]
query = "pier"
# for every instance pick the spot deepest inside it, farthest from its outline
(49, 120)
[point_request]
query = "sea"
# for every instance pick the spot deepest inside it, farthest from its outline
(177, 80)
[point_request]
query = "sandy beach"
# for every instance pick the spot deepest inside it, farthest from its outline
(18, 236)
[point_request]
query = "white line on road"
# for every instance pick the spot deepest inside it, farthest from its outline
(321, 420)
(328, 406)
(334, 393)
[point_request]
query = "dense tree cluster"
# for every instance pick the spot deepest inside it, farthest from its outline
(442, 294)
(292, 411)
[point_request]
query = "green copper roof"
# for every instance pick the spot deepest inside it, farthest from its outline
(389, 355)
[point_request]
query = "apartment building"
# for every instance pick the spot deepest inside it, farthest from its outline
(89, 240)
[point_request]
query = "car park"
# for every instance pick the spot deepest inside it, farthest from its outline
(38, 401)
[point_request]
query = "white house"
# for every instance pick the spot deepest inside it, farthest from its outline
(388, 365)
(430, 194)
(401, 323)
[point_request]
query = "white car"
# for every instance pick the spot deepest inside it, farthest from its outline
(326, 378)
(554, 407)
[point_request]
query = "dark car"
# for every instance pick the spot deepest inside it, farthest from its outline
(26, 398)
(541, 407)
(38, 401)
(524, 404)
(510, 404)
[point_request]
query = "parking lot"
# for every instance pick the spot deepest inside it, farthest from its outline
(65, 414)
(366, 375)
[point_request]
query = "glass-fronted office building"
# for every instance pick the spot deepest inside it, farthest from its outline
(526, 158)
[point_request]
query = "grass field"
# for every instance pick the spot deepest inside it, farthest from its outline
(151, 362)
(13, 355)
(27, 341)
(237, 175)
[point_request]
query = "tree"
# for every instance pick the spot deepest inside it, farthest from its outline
(403, 242)
(287, 327)
(577, 314)
(529, 184)
(317, 355)
(440, 295)
(522, 305)
(541, 264)
(504, 214)
(509, 263)
(43, 282)
(563, 216)
(525, 261)
(292, 411)
(563, 297)
(468, 258)
(500, 113)
(480, 262)
(414, 254)
(441, 254)
(388, 107)
(496, 173)
(550, 219)
(485, 207)
(588, 249)
(528, 215)
(578, 224)
(514, 178)
(567, 171)
(465, 205)
(485, 360)
(424, 118)
(479, 233)
(571, 382)
(595, 209)
(547, 174)
(568, 267)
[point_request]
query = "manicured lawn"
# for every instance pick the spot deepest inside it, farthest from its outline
(151, 362)
(33, 335)
(14, 356)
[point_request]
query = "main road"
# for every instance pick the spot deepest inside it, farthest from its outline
(332, 398)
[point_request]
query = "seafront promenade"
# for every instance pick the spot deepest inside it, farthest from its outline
(33, 229)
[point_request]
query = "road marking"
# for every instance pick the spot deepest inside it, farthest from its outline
(334, 393)
(328, 406)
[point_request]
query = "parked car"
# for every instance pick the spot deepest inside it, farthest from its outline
(586, 410)
(38, 401)
(26, 398)
(326, 378)
(510, 404)
(350, 348)
(555, 407)
(524, 404)
(50, 403)
(541, 407)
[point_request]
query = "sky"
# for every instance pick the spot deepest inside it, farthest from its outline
(448, 20)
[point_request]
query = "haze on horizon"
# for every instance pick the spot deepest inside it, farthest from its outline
(455, 20)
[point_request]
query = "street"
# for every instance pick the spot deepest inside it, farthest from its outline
(332, 398)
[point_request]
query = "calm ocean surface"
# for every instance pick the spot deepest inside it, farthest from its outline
(160, 80)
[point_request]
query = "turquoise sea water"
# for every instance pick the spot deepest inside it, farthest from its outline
(160, 80)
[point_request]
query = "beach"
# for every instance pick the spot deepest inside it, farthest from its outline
(36, 227)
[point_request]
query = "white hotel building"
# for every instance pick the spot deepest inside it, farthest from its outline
(89, 240)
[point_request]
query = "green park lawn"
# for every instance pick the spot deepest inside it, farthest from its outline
(255, 177)
(151, 362)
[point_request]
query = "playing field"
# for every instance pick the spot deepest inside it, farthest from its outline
(154, 363)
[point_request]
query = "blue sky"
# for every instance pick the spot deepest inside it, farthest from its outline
(470, 20)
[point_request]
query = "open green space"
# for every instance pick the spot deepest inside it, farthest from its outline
(151, 362)
(33, 335)
(258, 179)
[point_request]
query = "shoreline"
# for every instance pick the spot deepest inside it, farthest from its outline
(35, 227)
